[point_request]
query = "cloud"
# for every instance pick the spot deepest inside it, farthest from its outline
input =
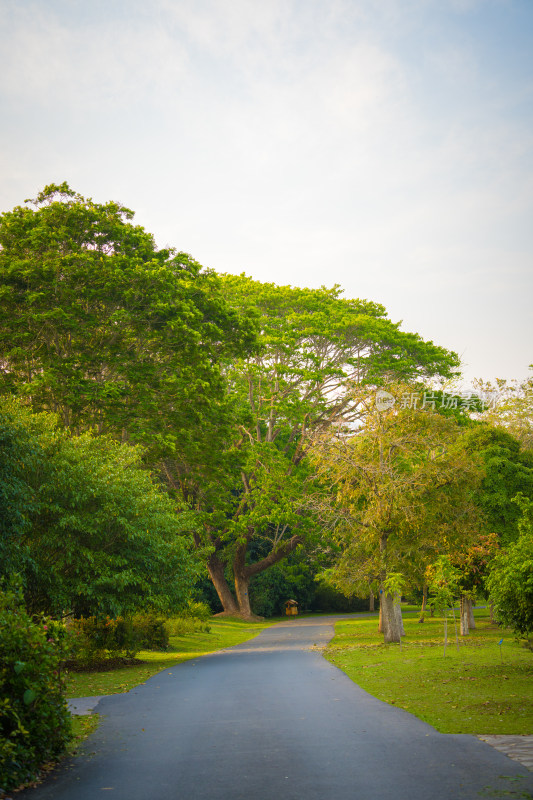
(46, 59)
(373, 144)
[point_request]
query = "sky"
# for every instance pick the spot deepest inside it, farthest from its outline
(383, 145)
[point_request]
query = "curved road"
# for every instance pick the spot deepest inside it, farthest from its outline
(272, 720)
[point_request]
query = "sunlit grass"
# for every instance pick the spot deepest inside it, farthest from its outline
(472, 689)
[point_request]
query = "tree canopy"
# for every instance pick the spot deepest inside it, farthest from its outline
(315, 346)
(107, 331)
(400, 494)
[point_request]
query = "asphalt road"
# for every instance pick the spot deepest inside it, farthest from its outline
(272, 720)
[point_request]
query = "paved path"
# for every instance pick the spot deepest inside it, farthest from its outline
(272, 720)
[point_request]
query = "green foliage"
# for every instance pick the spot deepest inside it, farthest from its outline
(100, 537)
(474, 562)
(19, 456)
(150, 630)
(34, 720)
(102, 328)
(394, 583)
(443, 583)
(186, 625)
(198, 610)
(271, 589)
(510, 581)
(95, 639)
(327, 598)
(314, 346)
(399, 494)
(508, 471)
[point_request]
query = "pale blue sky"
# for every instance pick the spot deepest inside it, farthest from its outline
(385, 145)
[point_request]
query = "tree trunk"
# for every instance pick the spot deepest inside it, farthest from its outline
(391, 619)
(215, 568)
(398, 614)
(242, 585)
(471, 620)
(380, 620)
(463, 611)
(371, 601)
(422, 617)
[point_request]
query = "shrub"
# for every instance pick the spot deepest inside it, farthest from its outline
(198, 610)
(182, 626)
(34, 719)
(97, 639)
(150, 631)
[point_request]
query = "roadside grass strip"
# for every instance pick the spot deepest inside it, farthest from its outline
(224, 632)
(479, 687)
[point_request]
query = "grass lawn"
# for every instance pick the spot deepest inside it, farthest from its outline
(225, 632)
(470, 690)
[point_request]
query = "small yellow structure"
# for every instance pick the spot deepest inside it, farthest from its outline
(291, 608)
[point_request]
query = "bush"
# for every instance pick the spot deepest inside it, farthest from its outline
(182, 626)
(97, 639)
(198, 610)
(150, 631)
(34, 719)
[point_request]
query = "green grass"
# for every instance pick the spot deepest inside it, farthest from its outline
(82, 726)
(225, 632)
(467, 691)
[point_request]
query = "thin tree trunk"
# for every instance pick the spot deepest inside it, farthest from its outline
(371, 600)
(215, 568)
(422, 617)
(455, 629)
(380, 620)
(463, 611)
(471, 620)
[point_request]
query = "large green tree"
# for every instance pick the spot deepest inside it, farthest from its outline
(107, 331)
(315, 346)
(88, 529)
